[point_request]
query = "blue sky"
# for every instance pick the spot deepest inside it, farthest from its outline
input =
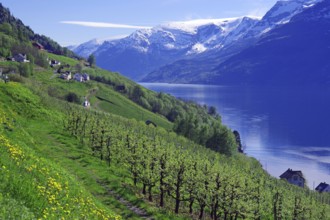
(71, 22)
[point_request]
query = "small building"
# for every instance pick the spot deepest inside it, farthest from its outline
(66, 76)
(294, 177)
(78, 77)
(21, 58)
(85, 76)
(323, 187)
(86, 103)
(54, 63)
(81, 77)
(38, 46)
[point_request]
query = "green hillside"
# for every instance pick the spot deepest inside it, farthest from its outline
(55, 155)
(60, 160)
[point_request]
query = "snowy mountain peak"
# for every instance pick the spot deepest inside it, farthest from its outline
(149, 49)
(193, 25)
(281, 13)
(284, 10)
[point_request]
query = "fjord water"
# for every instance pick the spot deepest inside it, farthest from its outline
(282, 127)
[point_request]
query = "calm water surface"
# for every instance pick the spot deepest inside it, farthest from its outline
(282, 127)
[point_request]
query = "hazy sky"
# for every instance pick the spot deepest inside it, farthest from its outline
(71, 22)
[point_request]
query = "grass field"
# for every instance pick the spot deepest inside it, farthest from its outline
(58, 162)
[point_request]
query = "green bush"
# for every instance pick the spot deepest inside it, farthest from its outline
(72, 97)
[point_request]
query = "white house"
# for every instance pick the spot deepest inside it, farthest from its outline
(86, 103)
(54, 63)
(21, 58)
(81, 77)
(66, 76)
(78, 77)
(85, 76)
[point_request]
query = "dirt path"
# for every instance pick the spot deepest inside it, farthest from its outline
(136, 210)
(92, 92)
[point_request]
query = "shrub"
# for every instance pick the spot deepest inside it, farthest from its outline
(72, 97)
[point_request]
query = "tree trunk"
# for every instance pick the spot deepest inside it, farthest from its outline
(144, 189)
(161, 202)
(215, 210)
(236, 216)
(201, 213)
(191, 206)
(177, 205)
(177, 190)
(150, 193)
(109, 151)
(161, 180)
(135, 179)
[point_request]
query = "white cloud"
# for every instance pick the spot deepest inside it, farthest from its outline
(103, 25)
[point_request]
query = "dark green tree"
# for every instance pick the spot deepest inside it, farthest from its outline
(91, 59)
(72, 97)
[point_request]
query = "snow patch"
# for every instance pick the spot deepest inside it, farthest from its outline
(169, 46)
(193, 25)
(197, 48)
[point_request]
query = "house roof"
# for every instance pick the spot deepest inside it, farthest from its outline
(321, 187)
(289, 173)
(20, 55)
(37, 44)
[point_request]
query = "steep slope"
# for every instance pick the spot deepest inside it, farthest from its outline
(200, 68)
(147, 50)
(280, 13)
(60, 160)
(21, 34)
(295, 53)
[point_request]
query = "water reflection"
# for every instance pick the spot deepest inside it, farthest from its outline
(281, 127)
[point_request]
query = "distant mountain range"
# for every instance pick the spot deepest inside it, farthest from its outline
(148, 49)
(289, 41)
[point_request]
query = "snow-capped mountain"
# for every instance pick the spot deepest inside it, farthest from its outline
(87, 48)
(297, 52)
(179, 50)
(294, 53)
(280, 13)
(199, 69)
(147, 49)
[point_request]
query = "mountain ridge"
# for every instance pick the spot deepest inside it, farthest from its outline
(299, 53)
(195, 71)
(148, 49)
(165, 49)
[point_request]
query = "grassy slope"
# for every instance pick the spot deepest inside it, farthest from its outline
(34, 124)
(101, 96)
(44, 138)
(38, 132)
(30, 180)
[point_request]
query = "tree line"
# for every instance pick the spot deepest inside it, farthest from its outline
(199, 123)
